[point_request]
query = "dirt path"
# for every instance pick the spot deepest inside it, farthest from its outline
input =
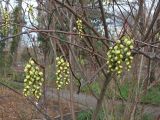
(86, 101)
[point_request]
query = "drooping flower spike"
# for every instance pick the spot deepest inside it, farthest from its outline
(33, 80)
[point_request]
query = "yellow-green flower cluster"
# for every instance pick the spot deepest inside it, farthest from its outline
(5, 24)
(80, 27)
(33, 80)
(128, 42)
(62, 72)
(119, 53)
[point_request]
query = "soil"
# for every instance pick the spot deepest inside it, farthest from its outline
(16, 107)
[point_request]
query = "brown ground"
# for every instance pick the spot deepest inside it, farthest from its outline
(16, 107)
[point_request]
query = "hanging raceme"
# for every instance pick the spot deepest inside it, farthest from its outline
(128, 42)
(6, 21)
(79, 27)
(33, 80)
(119, 53)
(62, 72)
